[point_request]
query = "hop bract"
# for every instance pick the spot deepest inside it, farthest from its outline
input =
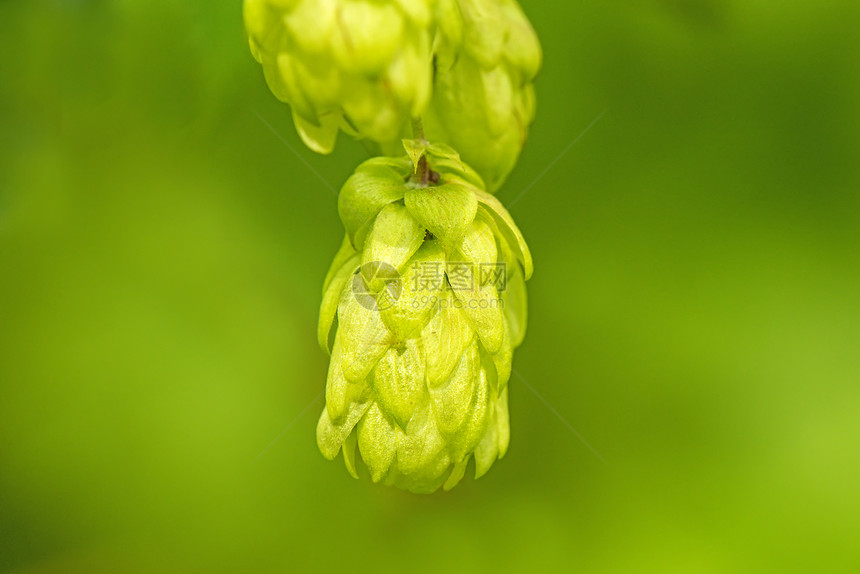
(362, 66)
(483, 98)
(421, 311)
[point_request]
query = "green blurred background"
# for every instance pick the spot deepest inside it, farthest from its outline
(695, 311)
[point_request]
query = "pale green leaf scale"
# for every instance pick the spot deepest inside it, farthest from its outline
(372, 108)
(455, 171)
(257, 16)
(449, 39)
(503, 359)
(415, 150)
(522, 49)
(337, 398)
(364, 337)
(445, 210)
(429, 476)
(481, 307)
(401, 165)
(452, 401)
(437, 150)
(485, 30)
(477, 419)
(422, 445)
(498, 99)
(362, 197)
(419, 293)
(508, 229)
(320, 138)
(284, 76)
(425, 479)
(398, 381)
(403, 71)
(393, 239)
(377, 441)
(457, 474)
(478, 245)
(479, 301)
(340, 394)
(320, 82)
(344, 253)
(458, 115)
(446, 337)
(349, 454)
(487, 451)
(503, 425)
(312, 24)
(516, 307)
(330, 437)
(256, 49)
(367, 35)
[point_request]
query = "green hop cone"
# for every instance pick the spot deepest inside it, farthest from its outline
(421, 311)
(362, 66)
(483, 98)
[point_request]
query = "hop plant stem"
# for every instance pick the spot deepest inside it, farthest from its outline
(422, 174)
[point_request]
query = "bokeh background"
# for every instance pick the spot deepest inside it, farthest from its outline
(695, 311)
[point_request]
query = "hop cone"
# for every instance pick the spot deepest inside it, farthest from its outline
(421, 352)
(363, 66)
(483, 98)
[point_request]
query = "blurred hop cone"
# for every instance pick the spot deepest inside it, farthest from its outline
(368, 67)
(428, 290)
(483, 98)
(361, 66)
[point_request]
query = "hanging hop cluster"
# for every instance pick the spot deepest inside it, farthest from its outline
(428, 294)
(367, 67)
(426, 299)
